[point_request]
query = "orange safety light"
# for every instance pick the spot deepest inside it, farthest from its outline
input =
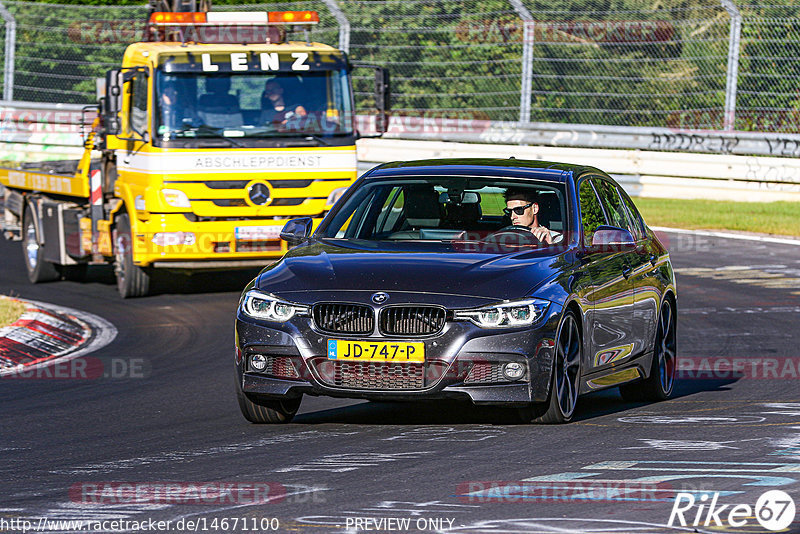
(167, 18)
(293, 17)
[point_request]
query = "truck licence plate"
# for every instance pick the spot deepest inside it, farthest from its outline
(376, 351)
(258, 233)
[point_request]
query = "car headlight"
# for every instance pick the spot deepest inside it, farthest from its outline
(176, 198)
(505, 315)
(266, 307)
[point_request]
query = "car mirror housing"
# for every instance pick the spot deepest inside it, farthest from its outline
(296, 231)
(612, 239)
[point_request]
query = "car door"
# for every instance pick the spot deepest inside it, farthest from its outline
(647, 288)
(611, 297)
(638, 265)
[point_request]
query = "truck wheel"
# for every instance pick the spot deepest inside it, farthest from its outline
(132, 280)
(38, 269)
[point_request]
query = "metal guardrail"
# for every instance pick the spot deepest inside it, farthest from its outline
(595, 136)
(642, 173)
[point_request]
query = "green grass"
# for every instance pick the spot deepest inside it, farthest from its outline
(10, 310)
(781, 218)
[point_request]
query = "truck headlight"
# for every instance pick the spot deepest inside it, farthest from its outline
(335, 195)
(176, 198)
(266, 307)
(505, 315)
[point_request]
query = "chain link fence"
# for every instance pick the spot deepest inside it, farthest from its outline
(688, 64)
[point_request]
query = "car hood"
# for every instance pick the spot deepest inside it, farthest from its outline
(336, 267)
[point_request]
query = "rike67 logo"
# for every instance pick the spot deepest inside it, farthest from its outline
(774, 511)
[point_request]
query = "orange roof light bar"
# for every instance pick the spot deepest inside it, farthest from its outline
(167, 18)
(293, 17)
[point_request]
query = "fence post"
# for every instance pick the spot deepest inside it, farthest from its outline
(734, 46)
(527, 61)
(11, 45)
(344, 25)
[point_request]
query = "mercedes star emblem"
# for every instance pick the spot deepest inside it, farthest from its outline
(259, 194)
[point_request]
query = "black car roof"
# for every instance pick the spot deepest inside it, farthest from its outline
(487, 166)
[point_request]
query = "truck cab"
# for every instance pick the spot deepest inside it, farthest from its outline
(206, 149)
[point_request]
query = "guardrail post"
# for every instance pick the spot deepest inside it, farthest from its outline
(527, 61)
(734, 46)
(11, 45)
(344, 25)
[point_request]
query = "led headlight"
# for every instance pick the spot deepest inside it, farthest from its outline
(263, 306)
(505, 315)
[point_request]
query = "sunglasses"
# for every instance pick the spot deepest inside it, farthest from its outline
(519, 210)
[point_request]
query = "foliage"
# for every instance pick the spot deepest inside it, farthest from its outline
(619, 62)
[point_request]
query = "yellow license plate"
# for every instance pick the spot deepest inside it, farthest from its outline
(375, 351)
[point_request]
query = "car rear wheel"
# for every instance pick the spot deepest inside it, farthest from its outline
(132, 280)
(659, 385)
(264, 411)
(565, 382)
(39, 269)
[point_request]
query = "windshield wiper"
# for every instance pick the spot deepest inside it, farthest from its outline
(215, 133)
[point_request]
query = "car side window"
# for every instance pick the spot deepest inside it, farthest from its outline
(591, 211)
(390, 211)
(633, 214)
(613, 205)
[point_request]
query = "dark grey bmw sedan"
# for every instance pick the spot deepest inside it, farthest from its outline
(500, 282)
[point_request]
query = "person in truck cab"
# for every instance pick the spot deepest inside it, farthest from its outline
(276, 110)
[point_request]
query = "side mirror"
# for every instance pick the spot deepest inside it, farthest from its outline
(112, 102)
(296, 231)
(612, 239)
(383, 96)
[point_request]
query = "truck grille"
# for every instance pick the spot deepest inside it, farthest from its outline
(373, 375)
(344, 318)
(412, 320)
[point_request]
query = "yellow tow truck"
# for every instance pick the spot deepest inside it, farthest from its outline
(215, 130)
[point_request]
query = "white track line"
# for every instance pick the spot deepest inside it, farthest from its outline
(744, 237)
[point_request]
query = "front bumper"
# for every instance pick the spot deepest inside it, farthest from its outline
(212, 242)
(462, 362)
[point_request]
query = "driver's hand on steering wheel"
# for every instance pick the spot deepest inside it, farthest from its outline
(543, 234)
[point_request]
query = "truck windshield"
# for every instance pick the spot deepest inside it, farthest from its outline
(279, 104)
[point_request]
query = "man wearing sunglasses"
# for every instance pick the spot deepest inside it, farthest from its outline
(522, 206)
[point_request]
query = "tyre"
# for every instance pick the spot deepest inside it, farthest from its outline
(264, 411)
(39, 270)
(661, 382)
(565, 382)
(132, 280)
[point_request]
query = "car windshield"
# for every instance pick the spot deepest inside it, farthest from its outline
(231, 105)
(450, 209)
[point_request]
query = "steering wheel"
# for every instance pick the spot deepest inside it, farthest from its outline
(514, 235)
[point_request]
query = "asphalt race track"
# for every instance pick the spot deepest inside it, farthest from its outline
(165, 412)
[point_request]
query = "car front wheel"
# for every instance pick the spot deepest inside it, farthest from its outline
(266, 411)
(565, 382)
